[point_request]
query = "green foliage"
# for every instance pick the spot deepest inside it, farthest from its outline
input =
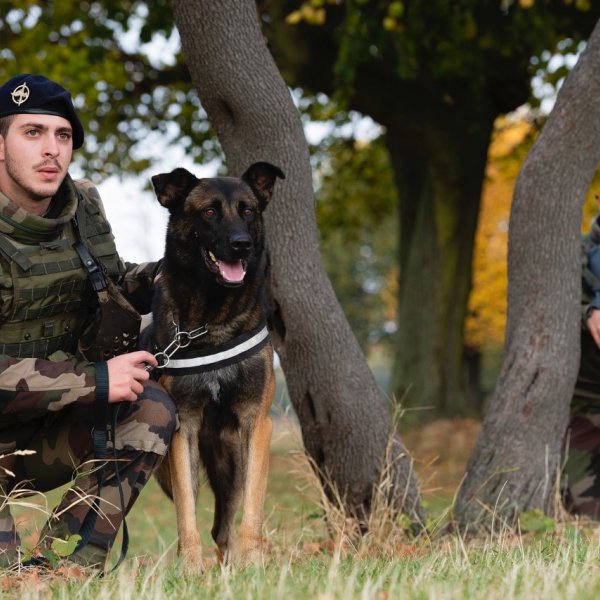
(441, 44)
(356, 212)
(357, 188)
(124, 91)
(362, 272)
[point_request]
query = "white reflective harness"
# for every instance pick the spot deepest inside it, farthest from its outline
(199, 360)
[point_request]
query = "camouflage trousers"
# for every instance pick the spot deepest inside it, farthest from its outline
(63, 449)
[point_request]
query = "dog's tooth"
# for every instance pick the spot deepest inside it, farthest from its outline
(212, 256)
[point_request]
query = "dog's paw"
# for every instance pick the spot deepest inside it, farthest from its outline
(247, 552)
(191, 560)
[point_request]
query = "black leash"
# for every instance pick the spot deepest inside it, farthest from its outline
(125, 538)
(101, 415)
(99, 439)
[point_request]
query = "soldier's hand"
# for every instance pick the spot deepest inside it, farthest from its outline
(593, 325)
(126, 374)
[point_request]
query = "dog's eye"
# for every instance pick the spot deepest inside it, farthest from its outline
(209, 213)
(247, 211)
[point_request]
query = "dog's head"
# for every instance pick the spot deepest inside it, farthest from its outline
(216, 223)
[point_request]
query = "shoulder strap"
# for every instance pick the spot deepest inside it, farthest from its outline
(92, 266)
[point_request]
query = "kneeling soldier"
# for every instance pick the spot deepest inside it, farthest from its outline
(49, 395)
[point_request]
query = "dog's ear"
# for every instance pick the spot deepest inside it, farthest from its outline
(170, 188)
(261, 177)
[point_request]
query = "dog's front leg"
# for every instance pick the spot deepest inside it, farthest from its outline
(248, 546)
(184, 497)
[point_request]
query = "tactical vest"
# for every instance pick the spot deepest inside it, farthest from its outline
(45, 297)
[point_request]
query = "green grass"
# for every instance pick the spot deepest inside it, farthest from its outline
(557, 566)
(302, 562)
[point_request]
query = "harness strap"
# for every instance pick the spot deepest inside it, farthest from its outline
(203, 360)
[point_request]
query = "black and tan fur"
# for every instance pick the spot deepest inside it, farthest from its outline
(224, 422)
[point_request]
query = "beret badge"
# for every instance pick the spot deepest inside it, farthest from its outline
(20, 94)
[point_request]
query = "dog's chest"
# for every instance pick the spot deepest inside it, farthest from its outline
(218, 399)
(211, 386)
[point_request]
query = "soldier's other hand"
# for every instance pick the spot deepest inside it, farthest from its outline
(593, 325)
(126, 374)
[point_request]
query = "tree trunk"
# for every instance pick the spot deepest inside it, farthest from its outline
(345, 419)
(515, 463)
(439, 168)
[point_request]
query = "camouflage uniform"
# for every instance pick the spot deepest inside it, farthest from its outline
(582, 463)
(47, 395)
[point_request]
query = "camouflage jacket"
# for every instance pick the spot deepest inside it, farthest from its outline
(33, 387)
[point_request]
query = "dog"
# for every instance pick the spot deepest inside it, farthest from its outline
(215, 356)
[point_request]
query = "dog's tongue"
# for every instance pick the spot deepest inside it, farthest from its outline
(232, 271)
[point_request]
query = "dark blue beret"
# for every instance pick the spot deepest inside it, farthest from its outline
(35, 94)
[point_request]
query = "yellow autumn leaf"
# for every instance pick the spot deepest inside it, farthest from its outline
(294, 17)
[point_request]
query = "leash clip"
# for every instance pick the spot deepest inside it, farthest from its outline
(181, 339)
(184, 338)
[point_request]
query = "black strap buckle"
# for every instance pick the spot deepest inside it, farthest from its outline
(95, 272)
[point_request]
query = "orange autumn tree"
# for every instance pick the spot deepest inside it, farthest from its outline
(484, 328)
(486, 315)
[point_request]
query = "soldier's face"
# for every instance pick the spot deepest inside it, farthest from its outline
(34, 158)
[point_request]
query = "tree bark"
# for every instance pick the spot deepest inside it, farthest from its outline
(345, 420)
(515, 463)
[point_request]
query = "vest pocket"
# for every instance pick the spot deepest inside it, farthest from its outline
(44, 308)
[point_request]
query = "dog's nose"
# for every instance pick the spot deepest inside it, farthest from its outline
(240, 241)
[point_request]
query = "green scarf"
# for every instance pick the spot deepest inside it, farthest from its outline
(25, 228)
